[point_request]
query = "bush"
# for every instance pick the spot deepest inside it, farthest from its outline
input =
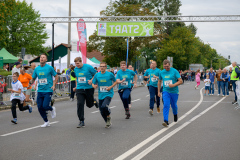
(4, 72)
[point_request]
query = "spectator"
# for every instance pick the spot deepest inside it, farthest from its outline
(219, 81)
(31, 69)
(224, 77)
(212, 77)
(198, 75)
(58, 72)
(230, 82)
(20, 61)
(17, 68)
(234, 78)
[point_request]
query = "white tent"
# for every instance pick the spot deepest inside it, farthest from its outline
(227, 67)
(74, 54)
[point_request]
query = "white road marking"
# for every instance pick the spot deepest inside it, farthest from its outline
(160, 141)
(140, 145)
(135, 100)
(98, 110)
(25, 129)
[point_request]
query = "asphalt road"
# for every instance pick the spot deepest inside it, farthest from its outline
(208, 128)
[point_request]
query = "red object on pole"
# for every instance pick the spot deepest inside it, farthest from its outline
(82, 34)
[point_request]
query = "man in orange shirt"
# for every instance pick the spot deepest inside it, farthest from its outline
(25, 79)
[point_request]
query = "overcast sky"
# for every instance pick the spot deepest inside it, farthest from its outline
(223, 36)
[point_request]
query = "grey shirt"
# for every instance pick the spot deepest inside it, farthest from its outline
(30, 71)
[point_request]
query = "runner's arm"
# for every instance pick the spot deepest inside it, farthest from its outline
(56, 80)
(159, 85)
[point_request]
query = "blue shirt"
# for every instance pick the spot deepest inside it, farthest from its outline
(44, 75)
(153, 81)
(125, 74)
(169, 77)
(103, 81)
(211, 76)
(83, 74)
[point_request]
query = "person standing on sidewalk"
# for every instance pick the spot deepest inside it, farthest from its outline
(73, 83)
(103, 80)
(219, 81)
(224, 77)
(124, 81)
(46, 86)
(212, 77)
(171, 80)
(198, 75)
(234, 78)
(84, 74)
(17, 97)
(153, 75)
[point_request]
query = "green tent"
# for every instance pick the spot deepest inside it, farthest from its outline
(97, 61)
(8, 57)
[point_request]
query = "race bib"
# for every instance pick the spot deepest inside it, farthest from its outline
(103, 88)
(16, 95)
(81, 79)
(154, 79)
(125, 83)
(43, 81)
(166, 83)
(24, 89)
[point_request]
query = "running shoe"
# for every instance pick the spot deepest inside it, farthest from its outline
(223, 95)
(46, 124)
(81, 124)
(53, 112)
(108, 124)
(165, 124)
(175, 118)
(234, 102)
(52, 102)
(150, 112)
(14, 121)
(158, 110)
(29, 109)
(128, 115)
(218, 94)
(95, 103)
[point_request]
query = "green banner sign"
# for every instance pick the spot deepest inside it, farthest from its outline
(125, 29)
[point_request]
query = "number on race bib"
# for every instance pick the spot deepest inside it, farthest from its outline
(154, 79)
(24, 88)
(103, 89)
(81, 79)
(16, 95)
(166, 83)
(124, 83)
(43, 81)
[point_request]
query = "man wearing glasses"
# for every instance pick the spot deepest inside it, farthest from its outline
(171, 80)
(103, 80)
(84, 74)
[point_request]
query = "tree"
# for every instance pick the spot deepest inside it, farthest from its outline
(114, 48)
(23, 28)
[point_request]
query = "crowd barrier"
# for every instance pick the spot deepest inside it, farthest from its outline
(63, 88)
(238, 94)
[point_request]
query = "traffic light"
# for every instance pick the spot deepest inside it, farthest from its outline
(228, 56)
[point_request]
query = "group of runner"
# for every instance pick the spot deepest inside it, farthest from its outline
(87, 79)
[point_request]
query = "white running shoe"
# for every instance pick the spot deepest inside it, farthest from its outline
(46, 124)
(53, 112)
(218, 94)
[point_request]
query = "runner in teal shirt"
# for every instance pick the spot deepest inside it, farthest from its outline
(153, 75)
(171, 80)
(124, 81)
(104, 82)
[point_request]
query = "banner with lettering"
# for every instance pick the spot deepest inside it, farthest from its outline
(125, 29)
(82, 34)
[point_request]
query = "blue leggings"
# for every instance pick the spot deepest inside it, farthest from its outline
(169, 98)
(43, 103)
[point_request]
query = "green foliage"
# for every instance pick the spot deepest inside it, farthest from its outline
(4, 72)
(22, 28)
